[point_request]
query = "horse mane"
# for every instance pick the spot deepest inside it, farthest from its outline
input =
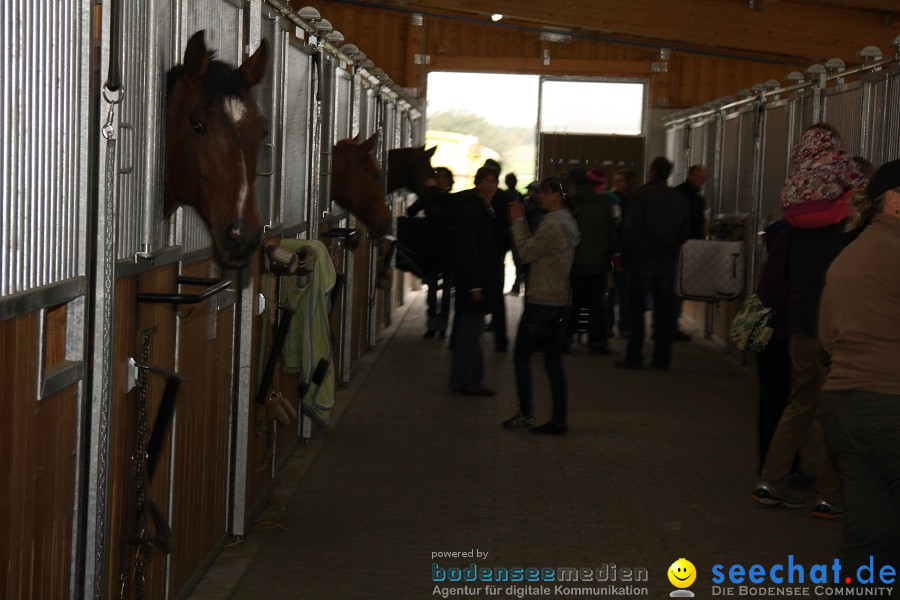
(403, 166)
(220, 81)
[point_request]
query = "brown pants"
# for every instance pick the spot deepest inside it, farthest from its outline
(809, 364)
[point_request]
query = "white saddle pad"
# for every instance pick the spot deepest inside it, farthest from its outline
(710, 270)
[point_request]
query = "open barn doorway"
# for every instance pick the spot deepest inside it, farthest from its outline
(475, 116)
(535, 125)
(589, 123)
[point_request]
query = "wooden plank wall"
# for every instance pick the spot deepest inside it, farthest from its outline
(391, 41)
(259, 461)
(130, 321)
(201, 434)
(38, 458)
(360, 320)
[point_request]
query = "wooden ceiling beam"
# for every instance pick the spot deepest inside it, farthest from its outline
(787, 30)
(884, 6)
(762, 4)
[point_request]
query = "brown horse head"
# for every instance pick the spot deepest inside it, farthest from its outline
(409, 168)
(355, 183)
(213, 135)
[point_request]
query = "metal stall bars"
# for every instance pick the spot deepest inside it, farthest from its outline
(759, 131)
(884, 129)
(282, 193)
(49, 133)
(389, 140)
(346, 106)
(127, 227)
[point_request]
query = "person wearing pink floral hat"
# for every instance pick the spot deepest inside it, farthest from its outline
(816, 200)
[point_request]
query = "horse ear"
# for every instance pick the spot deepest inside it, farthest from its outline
(196, 55)
(254, 68)
(430, 152)
(369, 144)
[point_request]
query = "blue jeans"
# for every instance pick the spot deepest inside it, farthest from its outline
(863, 429)
(551, 346)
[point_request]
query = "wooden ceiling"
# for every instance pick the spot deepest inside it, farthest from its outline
(795, 31)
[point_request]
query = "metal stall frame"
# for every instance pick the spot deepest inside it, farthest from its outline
(806, 103)
(96, 527)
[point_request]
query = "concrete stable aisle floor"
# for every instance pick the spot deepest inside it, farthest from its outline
(656, 466)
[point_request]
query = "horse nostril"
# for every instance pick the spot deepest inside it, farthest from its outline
(233, 229)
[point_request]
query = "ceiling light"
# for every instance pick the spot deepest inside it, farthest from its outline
(496, 17)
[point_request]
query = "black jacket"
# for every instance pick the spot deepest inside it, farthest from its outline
(476, 255)
(502, 241)
(696, 205)
(657, 223)
(809, 256)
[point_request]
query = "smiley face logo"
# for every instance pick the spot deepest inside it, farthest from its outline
(682, 573)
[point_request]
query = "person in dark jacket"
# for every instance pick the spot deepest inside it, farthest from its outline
(477, 283)
(624, 184)
(593, 213)
(774, 362)
(822, 176)
(514, 196)
(656, 226)
(438, 269)
(502, 245)
(697, 207)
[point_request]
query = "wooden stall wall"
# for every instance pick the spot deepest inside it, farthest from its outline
(201, 430)
(130, 321)
(263, 430)
(38, 458)
(360, 300)
(392, 40)
(201, 426)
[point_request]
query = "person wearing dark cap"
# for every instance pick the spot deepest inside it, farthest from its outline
(859, 327)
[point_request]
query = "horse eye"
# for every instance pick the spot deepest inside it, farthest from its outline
(198, 126)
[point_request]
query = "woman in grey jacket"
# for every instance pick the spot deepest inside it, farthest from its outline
(549, 252)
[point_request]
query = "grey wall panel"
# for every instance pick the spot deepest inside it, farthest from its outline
(146, 58)
(342, 106)
(806, 113)
(268, 95)
(369, 110)
(698, 152)
(295, 143)
(745, 163)
(843, 111)
(891, 129)
(776, 156)
(43, 140)
(729, 161)
(878, 124)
